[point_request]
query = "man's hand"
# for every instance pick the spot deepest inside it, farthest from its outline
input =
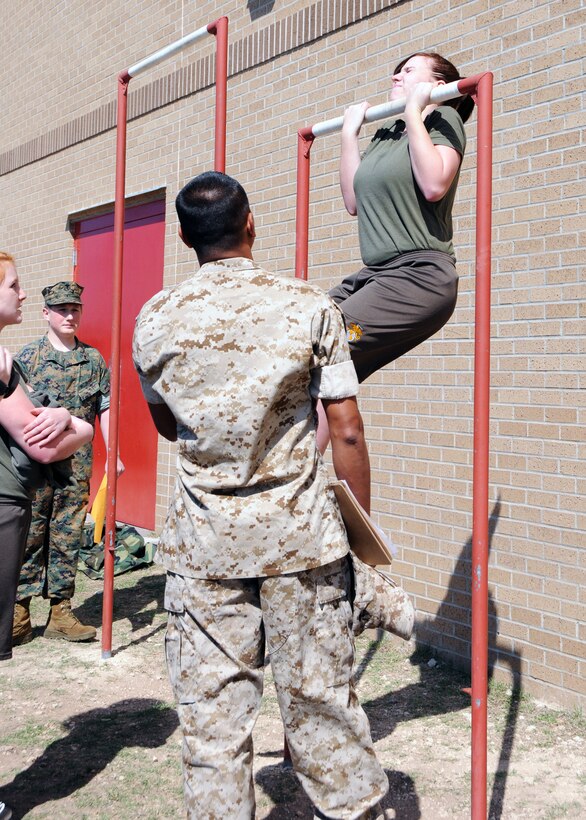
(48, 425)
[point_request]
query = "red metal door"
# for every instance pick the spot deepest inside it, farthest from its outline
(144, 237)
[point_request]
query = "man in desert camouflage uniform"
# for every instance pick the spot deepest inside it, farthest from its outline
(62, 369)
(231, 362)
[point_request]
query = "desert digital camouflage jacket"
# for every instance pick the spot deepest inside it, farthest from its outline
(77, 379)
(239, 356)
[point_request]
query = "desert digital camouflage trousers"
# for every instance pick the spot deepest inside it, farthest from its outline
(217, 635)
(52, 549)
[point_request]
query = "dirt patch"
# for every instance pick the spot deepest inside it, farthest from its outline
(83, 737)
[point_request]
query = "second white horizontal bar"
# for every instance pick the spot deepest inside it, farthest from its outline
(440, 94)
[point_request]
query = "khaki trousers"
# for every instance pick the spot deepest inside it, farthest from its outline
(217, 635)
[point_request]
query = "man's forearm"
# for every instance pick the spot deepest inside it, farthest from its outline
(351, 464)
(349, 451)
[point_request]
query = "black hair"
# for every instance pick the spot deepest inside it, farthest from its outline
(212, 210)
(443, 69)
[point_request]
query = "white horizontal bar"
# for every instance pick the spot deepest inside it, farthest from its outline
(440, 93)
(169, 50)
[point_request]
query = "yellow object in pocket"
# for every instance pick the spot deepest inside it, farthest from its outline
(98, 510)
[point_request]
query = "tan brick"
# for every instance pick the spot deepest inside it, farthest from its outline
(575, 683)
(545, 673)
(418, 410)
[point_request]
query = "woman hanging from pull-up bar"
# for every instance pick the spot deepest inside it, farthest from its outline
(402, 190)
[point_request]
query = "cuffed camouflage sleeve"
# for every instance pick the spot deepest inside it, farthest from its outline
(103, 398)
(333, 375)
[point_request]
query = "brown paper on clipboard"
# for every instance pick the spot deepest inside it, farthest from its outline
(363, 536)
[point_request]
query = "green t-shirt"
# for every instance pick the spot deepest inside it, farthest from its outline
(10, 484)
(393, 215)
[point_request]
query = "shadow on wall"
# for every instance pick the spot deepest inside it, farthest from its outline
(95, 738)
(451, 633)
(258, 8)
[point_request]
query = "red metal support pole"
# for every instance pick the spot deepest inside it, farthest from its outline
(304, 142)
(479, 86)
(110, 534)
(220, 29)
(480, 530)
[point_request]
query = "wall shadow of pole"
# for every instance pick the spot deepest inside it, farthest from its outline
(450, 632)
(95, 738)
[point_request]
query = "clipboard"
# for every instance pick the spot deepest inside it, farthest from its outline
(364, 537)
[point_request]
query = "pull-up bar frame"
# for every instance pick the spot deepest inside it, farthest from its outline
(479, 87)
(219, 29)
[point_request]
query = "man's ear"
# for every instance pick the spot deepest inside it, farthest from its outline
(45, 312)
(183, 239)
(250, 227)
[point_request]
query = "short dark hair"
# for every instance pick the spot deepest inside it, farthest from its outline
(212, 210)
(444, 70)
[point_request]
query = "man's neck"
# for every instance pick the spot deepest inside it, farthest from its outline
(243, 251)
(61, 343)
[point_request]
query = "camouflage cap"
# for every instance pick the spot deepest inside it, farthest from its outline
(62, 293)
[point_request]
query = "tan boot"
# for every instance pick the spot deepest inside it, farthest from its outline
(379, 602)
(63, 623)
(22, 629)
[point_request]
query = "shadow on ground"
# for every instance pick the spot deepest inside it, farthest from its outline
(282, 786)
(94, 739)
(132, 603)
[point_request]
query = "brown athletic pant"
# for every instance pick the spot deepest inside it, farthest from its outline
(391, 308)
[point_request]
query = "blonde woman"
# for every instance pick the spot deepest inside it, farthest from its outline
(44, 434)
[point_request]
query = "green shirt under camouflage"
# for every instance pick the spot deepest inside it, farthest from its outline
(239, 356)
(77, 379)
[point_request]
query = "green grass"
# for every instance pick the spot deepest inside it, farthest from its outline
(558, 810)
(33, 734)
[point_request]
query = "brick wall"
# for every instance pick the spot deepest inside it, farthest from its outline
(291, 64)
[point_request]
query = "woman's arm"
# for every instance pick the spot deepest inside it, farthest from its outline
(18, 416)
(350, 153)
(47, 425)
(434, 166)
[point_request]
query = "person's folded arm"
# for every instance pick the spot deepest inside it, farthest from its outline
(18, 416)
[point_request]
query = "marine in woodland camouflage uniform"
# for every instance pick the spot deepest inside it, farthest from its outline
(231, 362)
(79, 380)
